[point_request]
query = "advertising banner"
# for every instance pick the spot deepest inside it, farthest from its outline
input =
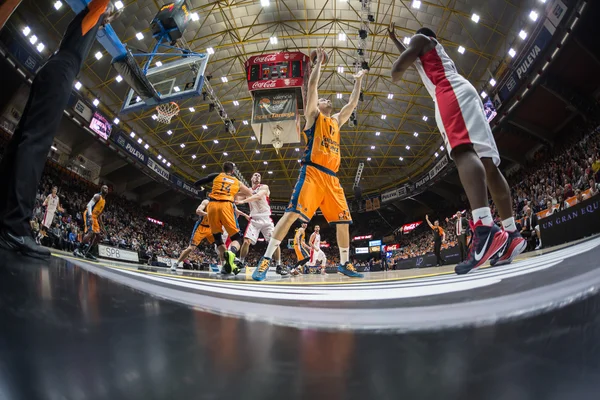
(83, 110)
(156, 167)
(117, 254)
(274, 106)
(361, 250)
(440, 165)
(574, 223)
(556, 12)
(409, 227)
(167, 260)
(130, 147)
(375, 243)
(452, 256)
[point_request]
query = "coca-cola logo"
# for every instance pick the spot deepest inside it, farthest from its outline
(264, 84)
(269, 58)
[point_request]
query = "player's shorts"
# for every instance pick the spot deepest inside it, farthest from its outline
(48, 218)
(317, 256)
(301, 253)
(258, 225)
(91, 223)
(318, 187)
(221, 215)
(200, 233)
(461, 119)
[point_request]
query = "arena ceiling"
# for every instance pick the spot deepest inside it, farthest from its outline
(239, 29)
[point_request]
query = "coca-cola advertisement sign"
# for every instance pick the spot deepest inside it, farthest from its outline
(276, 57)
(275, 83)
(270, 84)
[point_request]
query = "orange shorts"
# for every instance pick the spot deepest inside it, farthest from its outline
(222, 215)
(200, 233)
(318, 189)
(301, 253)
(92, 224)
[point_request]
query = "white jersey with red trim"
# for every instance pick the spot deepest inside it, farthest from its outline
(51, 203)
(262, 207)
(316, 243)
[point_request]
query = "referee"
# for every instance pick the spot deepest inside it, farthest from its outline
(23, 163)
(439, 236)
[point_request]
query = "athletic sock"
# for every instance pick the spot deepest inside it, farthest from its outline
(344, 255)
(483, 215)
(509, 225)
(273, 244)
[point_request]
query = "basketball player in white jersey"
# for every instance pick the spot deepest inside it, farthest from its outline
(460, 117)
(260, 221)
(316, 254)
(52, 203)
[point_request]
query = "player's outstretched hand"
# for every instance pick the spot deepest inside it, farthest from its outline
(392, 31)
(238, 202)
(321, 55)
(360, 74)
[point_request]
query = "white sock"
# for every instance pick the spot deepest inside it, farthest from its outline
(273, 244)
(278, 261)
(483, 214)
(509, 225)
(344, 255)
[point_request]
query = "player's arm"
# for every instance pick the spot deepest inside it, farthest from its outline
(311, 241)
(392, 35)
(90, 205)
(243, 214)
(59, 208)
(346, 111)
(408, 57)
(428, 221)
(206, 179)
(244, 190)
(200, 210)
(312, 93)
(262, 193)
(45, 204)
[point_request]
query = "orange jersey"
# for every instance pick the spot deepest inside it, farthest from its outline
(224, 188)
(98, 207)
(323, 144)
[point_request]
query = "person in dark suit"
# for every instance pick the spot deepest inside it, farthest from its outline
(529, 229)
(461, 224)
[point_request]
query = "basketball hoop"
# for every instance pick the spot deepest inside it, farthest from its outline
(167, 111)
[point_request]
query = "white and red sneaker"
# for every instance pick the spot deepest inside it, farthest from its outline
(487, 241)
(514, 246)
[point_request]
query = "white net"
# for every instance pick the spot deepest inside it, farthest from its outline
(166, 111)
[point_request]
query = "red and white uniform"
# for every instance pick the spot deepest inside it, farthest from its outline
(316, 254)
(51, 206)
(260, 218)
(459, 111)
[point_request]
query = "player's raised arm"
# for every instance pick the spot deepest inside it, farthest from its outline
(346, 111)
(409, 56)
(262, 193)
(206, 179)
(392, 35)
(429, 222)
(312, 93)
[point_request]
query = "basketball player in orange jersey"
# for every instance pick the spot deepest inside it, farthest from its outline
(221, 213)
(92, 221)
(318, 186)
(301, 248)
(201, 231)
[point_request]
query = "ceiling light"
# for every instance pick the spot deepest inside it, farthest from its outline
(377, 133)
(512, 53)
(415, 134)
(461, 50)
(204, 127)
(40, 47)
(270, 172)
(169, 132)
(116, 121)
(390, 96)
(159, 157)
(372, 147)
(119, 78)
(368, 158)
(245, 122)
(194, 156)
(264, 3)
(407, 147)
(425, 118)
(195, 17)
(204, 166)
(26, 31)
(210, 50)
(192, 109)
(339, 95)
(406, 40)
(253, 137)
(416, 4)
(154, 117)
(132, 134)
(493, 82)
(119, 5)
(96, 102)
(164, 160)
(523, 35)
(78, 85)
(138, 99)
(340, 70)
(265, 162)
(236, 103)
(158, 64)
(58, 5)
(475, 18)
(483, 94)
(401, 159)
(53, 148)
(296, 149)
(342, 36)
(176, 89)
(273, 39)
(533, 15)
(442, 148)
(98, 55)
(33, 39)
(225, 154)
(147, 146)
(139, 35)
(257, 151)
(543, 1)
(436, 154)
(224, 79)
(140, 140)
(168, 164)
(215, 141)
(299, 161)
(182, 145)
(383, 116)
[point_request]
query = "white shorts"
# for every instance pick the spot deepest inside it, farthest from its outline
(48, 218)
(316, 257)
(258, 225)
(461, 119)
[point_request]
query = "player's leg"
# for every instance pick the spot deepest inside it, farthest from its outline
(232, 227)
(216, 227)
(266, 229)
(195, 240)
(250, 238)
(22, 166)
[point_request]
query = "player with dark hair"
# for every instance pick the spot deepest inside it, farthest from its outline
(23, 163)
(221, 213)
(461, 119)
(92, 222)
(200, 232)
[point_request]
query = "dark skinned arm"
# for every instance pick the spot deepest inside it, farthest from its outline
(206, 179)
(408, 57)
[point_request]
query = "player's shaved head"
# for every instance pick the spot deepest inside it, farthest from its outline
(427, 32)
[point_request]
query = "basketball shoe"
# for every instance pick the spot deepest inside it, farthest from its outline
(349, 270)
(260, 273)
(514, 246)
(487, 241)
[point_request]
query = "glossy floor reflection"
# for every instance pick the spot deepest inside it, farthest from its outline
(67, 334)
